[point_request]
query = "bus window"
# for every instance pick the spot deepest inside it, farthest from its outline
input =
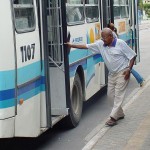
(116, 2)
(24, 15)
(123, 2)
(74, 12)
(116, 12)
(121, 9)
(116, 9)
(91, 11)
(124, 11)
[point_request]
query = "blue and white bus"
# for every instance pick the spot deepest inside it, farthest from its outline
(41, 80)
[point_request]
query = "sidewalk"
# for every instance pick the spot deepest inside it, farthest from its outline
(145, 24)
(133, 132)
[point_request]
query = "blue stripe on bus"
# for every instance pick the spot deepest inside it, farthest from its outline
(7, 94)
(7, 103)
(29, 87)
(97, 58)
(6, 79)
(76, 55)
(29, 94)
(25, 74)
(29, 72)
(89, 67)
(7, 97)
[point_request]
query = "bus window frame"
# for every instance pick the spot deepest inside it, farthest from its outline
(126, 11)
(117, 17)
(91, 5)
(24, 6)
(73, 23)
(120, 6)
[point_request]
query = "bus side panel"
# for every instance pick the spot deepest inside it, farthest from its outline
(95, 66)
(27, 121)
(92, 65)
(7, 72)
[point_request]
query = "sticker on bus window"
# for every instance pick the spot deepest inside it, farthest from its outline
(122, 26)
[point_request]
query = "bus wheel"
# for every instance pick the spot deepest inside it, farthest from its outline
(76, 103)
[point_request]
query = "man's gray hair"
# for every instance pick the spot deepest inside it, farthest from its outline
(107, 31)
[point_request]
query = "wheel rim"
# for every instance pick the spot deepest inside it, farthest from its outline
(75, 99)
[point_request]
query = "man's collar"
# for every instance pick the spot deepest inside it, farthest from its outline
(113, 44)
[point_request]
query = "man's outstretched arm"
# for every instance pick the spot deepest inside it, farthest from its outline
(82, 46)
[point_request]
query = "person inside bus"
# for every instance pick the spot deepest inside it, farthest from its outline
(119, 59)
(136, 75)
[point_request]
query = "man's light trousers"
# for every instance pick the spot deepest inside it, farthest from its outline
(117, 86)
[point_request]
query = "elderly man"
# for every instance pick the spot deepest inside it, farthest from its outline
(119, 59)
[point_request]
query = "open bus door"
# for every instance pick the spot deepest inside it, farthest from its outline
(55, 60)
(133, 9)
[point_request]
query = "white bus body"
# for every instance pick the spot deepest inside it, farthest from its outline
(41, 80)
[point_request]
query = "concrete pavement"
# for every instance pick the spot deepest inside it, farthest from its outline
(131, 133)
(145, 24)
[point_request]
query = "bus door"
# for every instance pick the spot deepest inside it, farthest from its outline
(133, 11)
(107, 12)
(28, 68)
(54, 59)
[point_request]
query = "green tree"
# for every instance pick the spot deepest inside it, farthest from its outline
(140, 4)
(147, 9)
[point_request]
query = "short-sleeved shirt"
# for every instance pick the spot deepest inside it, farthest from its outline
(114, 35)
(116, 57)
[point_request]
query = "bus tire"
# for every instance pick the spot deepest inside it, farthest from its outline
(76, 103)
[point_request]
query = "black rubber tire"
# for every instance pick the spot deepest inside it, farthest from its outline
(76, 104)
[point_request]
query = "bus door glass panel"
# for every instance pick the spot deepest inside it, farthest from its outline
(24, 15)
(74, 12)
(55, 37)
(91, 11)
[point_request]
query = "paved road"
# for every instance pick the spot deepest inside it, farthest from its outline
(94, 114)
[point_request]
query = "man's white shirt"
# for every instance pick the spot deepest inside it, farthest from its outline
(116, 57)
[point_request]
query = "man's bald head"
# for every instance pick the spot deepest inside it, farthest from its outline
(107, 36)
(107, 31)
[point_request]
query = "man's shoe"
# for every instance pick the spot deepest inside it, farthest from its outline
(111, 122)
(120, 118)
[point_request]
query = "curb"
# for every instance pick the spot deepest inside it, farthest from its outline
(97, 133)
